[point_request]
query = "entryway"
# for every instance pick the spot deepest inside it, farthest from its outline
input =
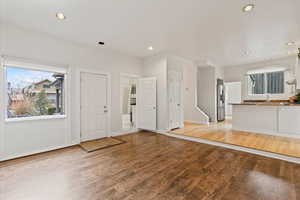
(94, 106)
(128, 101)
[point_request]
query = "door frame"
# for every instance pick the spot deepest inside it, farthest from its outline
(108, 76)
(134, 76)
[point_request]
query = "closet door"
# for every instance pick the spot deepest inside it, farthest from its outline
(175, 99)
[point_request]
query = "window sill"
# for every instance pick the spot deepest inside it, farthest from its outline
(47, 117)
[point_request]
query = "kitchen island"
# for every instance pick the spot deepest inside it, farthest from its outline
(280, 119)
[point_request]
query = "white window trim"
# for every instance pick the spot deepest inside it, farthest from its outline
(283, 96)
(30, 66)
(35, 118)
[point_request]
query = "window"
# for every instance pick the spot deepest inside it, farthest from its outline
(257, 83)
(275, 83)
(34, 93)
(266, 83)
(46, 86)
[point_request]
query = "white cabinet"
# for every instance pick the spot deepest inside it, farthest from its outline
(272, 120)
(289, 120)
(257, 119)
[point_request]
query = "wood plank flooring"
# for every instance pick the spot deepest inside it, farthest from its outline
(149, 167)
(222, 132)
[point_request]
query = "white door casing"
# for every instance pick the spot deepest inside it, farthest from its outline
(146, 103)
(94, 106)
(175, 100)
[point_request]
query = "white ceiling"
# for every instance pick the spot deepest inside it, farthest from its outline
(211, 30)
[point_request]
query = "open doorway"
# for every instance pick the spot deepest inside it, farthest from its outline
(128, 101)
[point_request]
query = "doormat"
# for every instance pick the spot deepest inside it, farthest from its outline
(102, 143)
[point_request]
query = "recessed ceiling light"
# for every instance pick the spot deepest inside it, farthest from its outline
(60, 16)
(248, 7)
(150, 48)
(290, 43)
(101, 43)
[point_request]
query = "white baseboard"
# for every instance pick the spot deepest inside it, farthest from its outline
(10, 157)
(124, 132)
(238, 148)
(37, 152)
(161, 131)
(197, 122)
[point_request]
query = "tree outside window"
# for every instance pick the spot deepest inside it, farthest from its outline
(34, 93)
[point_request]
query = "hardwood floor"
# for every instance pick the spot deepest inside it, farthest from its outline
(222, 132)
(149, 167)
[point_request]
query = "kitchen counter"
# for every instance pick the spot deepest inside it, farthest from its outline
(267, 118)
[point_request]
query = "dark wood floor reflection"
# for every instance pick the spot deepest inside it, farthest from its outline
(149, 166)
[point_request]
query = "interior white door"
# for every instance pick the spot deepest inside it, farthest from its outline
(174, 95)
(146, 103)
(94, 108)
(233, 94)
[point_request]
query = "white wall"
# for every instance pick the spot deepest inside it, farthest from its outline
(157, 66)
(207, 76)
(237, 73)
(20, 138)
(191, 110)
(206, 90)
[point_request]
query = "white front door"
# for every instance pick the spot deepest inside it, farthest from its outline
(94, 108)
(174, 95)
(146, 103)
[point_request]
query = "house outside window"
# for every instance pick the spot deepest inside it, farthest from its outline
(34, 93)
(46, 86)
